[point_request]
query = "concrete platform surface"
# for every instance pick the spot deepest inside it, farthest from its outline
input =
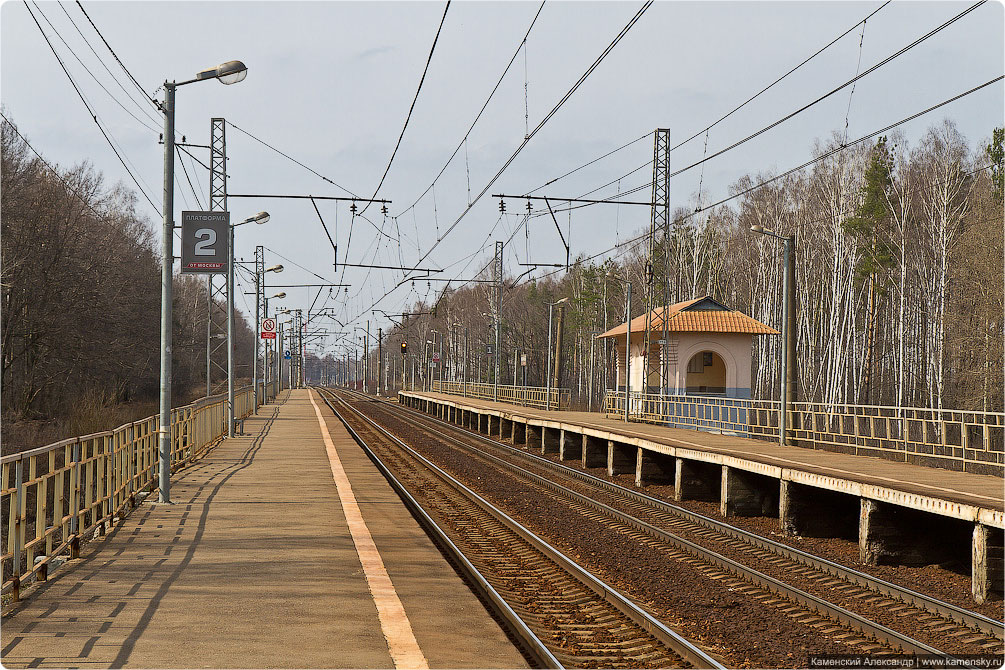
(974, 492)
(255, 565)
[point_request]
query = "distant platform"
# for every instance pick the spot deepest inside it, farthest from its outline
(807, 489)
(262, 561)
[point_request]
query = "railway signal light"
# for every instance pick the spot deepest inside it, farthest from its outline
(404, 348)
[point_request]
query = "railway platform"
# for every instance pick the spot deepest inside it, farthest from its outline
(284, 547)
(898, 511)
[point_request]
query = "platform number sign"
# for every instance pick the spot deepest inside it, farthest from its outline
(268, 329)
(205, 237)
(286, 354)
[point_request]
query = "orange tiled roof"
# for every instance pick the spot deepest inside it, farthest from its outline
(695, 316)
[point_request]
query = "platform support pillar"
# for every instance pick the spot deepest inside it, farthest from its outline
(696, 481)
(987, 573)
(594, 452)
(652, 467)
(619, 459)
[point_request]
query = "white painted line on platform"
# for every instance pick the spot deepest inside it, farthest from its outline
(401, 643)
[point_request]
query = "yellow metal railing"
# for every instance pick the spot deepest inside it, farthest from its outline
(527, 396)
(53, 496)
(954, 439)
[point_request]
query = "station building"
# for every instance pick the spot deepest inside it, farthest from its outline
(708, 349)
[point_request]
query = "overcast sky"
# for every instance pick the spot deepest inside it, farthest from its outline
(330, 84)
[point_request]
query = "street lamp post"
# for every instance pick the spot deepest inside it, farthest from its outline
(628, 342)
(230, 72)
(259, 289)
(266, 372)
(788, 362)
(547, 370)
(261, 217)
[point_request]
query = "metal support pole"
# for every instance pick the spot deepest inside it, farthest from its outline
(167, 260)
(230, 336)
(464, 376)
(788, 358)
(258, 316)
(628, 351)
(380, 355)
(589, 381)
(547, 367)
(209, 333)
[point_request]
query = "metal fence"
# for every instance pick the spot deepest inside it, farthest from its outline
(953, 439)
(527, 396)
(53, 496)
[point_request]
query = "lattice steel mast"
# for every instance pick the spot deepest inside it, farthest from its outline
(659, 221)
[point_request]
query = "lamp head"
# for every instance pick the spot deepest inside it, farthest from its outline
(274, 268)
(281, 294)
(757, 228)
(230, 72)
(563, 300)
(262, 217)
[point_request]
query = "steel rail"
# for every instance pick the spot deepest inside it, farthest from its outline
(935, 606)
(749, 574)
(533, 645)
(673, 640)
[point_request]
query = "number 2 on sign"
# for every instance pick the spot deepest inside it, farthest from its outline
(207, 238)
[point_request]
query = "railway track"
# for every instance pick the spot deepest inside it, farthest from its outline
(562, 615)
(651, 520)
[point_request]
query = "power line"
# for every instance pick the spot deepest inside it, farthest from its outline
(480, 112)
(56, 172)
(817, 159)
(544, 121)
(88, 70)
(117, 60)
(91, 111)
(791, 114)
(291, 158)
(851, 81)
(429, 59)
(727, 114)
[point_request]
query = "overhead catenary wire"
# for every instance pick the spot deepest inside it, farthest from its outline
(792, 114)
(724, 116)
(816, 159)
(544, 121)
(418, 90)
(90, 111)
(478, 116)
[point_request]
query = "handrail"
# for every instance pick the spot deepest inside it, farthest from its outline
(51, 497)
(971, 441)
(526, 396)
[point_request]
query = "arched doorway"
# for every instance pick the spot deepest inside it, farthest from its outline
(706, 374)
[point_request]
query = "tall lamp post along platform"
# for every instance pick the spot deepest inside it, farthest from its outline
(788, 373)
(230, 72)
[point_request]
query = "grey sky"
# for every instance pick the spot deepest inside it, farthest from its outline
(330, 83)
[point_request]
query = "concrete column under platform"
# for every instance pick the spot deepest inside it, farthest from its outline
(551, 440)
(621, 458)
(519, 432)
(570, 446)
(814, 512)
(652, 467)
(696, 480)
(534, 437)
(894, 535)
(492, 425)
(747, 494)
(505, 429)
(594, 452)
(986, 563)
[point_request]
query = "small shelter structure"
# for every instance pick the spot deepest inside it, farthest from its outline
(708, 350)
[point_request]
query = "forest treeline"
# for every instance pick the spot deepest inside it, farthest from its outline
(80, 273)
(899, 281)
